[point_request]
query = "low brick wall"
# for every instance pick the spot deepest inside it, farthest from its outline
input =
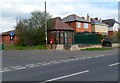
(83, 46)
(115, 44)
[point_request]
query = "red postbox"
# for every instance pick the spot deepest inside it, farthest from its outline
(51, 41)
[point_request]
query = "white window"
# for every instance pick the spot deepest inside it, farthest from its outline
(99, 27)
(105, 28)
(79, 25)
(86, 25)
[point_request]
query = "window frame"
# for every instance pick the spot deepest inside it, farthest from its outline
(86, 25)
(99, 27)
(79, 25)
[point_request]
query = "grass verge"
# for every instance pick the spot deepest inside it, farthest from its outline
(96, 49)
(25, 47)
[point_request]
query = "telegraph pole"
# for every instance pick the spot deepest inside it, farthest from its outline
(45, 26)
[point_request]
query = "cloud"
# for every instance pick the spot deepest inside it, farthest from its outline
(7, 25)
(68, 8)
(13, 8)
(96, 11)
(29, 8)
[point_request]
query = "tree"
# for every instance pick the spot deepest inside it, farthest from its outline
(113, 38)
(31, 31)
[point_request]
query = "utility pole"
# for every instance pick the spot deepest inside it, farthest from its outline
(45, 26)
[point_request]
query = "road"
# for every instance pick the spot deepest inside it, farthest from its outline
(88, 68)
(22, 57)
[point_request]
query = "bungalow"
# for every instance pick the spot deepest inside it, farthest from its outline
(78, 23)
(113, 25)
(99, 27)
(60, 32)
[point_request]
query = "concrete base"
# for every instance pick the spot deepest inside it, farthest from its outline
(115, 44)
(60, 47)
(74, 47)
(94, 46)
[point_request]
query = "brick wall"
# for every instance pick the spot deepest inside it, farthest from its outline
(72, 24)
(82, 29)
(6, 40)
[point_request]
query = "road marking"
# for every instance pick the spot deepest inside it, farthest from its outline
(58, 62)
(114, 64)
(39, 63)
(34, 66)
(6, 70)
(89, 57)
(101, 55)
(16, 66)
(45, 63)
(72, 59)
(66, 61)
(29, 64)
(61, 60)
(52, 62)
(76, 59)
(20, 68)
(58, 78)
(82, 58)
(96, 56)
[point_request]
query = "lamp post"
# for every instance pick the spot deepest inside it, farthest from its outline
(45, 26)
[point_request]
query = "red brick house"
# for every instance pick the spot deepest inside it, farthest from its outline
(78, 23)
(60, 32)
(6, 38)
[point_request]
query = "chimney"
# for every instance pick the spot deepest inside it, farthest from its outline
(83, 18)
(88, 18)
(100, 20)
(114, 19)
(96, 18)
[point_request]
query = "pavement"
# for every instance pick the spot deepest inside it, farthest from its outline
(46, 65)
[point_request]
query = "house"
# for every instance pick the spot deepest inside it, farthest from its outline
(6, 38)
(112, 25)
(59, 31)
(99, 27)
(78, 23)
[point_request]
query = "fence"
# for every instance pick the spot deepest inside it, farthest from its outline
(87, 39)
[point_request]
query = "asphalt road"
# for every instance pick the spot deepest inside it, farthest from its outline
(90, 68)
(24, 57)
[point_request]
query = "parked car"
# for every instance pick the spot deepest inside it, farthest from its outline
(106, 43)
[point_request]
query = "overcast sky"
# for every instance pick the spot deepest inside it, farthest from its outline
(11, 9)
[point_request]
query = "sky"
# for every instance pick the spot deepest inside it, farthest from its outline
(10, 10)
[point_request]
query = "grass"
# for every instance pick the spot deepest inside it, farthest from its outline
(96, 49)
(25, 47)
